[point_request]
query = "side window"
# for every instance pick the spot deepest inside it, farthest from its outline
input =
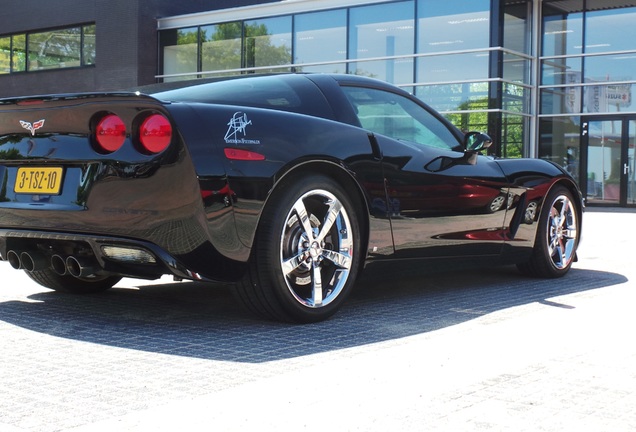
(400, 118)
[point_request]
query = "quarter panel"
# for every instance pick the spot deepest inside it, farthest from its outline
(286, 141)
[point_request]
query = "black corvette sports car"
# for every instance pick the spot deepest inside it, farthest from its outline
(285, 184)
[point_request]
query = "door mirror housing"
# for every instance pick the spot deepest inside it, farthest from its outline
(476, 141)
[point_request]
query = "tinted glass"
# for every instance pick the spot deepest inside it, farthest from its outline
(557, 100)
(452, 67)
(562, 27)
(379, 31)
(88, 45)
(19, 53)
(55, 49)
(321, 37)
(180, 50)
(611, 30)
(268, 42)
(399, 118)
(286, 93)
(608, 98)
(451, 25)
(561, 71)
(221, 46)
(455, 97)
(517, 23)
(617, 67)
(5, 55)
(559, 142)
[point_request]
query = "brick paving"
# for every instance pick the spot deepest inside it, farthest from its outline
(471, 351)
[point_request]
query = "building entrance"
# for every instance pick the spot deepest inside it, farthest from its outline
(607, 160)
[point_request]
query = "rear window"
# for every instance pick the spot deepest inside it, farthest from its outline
(295, 94)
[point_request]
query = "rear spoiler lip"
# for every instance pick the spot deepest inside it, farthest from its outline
(36, 99)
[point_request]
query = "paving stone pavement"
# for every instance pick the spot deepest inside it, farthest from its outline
(468, 350)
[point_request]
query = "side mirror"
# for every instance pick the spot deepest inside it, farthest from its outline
(476, 141)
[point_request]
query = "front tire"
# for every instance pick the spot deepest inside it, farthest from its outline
(557, 236)
(72, 285)
(307, 252)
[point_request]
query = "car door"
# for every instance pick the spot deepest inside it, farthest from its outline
(440, 200)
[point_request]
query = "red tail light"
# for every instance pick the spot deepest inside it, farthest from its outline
(110, 133)
(155, 134)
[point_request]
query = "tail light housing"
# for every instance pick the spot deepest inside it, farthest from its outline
(110, 133)
(155, 134)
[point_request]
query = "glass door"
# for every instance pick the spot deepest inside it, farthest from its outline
(608, 161)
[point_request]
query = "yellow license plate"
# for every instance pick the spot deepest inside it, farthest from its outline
(39, 180)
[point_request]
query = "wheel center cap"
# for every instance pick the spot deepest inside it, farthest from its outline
(315, 250)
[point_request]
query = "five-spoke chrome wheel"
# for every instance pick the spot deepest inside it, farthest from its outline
(562, 232)
(558, 232)
(306, 255)
(316, 248)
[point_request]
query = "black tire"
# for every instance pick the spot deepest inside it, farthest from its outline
(557, 236)
(306, 254)
(72, 285)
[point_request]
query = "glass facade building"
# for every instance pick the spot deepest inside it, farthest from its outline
(470, 60)
(551, 79)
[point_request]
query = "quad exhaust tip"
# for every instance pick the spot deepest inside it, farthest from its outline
(14, 259)
(35, 261)
(77, 267)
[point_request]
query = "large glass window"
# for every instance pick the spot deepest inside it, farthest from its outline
(562, 27)
(221, 46)
(516, 37)
(560, 142)
(5, 55)
(475, 118)
(321, 37)
(55, 49)
(565, 70)
(586, 30)
(615, 67)
(610, 30)
(268, 42)
(453, 25)
(455, 97)
(400, 118)
(18, 53)
(180, 51)
(448, 26)
(513, 135)
(381, 31)
(88, 45)
(517, 22)
(604, 98)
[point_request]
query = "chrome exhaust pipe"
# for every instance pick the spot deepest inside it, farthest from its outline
(79, 267)
(33, 261)
(58, 264)
(14, 259)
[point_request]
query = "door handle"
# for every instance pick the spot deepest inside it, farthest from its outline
(625, 169)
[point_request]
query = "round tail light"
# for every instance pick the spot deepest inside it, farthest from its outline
(155, 134)
(110, 133)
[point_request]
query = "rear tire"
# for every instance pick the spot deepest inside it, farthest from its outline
(557, 236)
(306, 254)
(72, 285)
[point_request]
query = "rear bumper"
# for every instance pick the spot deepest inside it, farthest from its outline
(143, 260)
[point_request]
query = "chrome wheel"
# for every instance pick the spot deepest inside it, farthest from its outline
(316, 249)
(305, 260)
(558, 231)
(562, 232)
